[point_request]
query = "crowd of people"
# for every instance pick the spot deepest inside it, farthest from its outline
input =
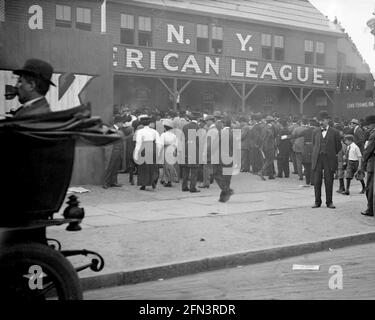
(317, 147)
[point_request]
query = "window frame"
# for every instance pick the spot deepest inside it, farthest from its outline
(310, 53)
(319, 55)
(217, 40)
(201, 39)
(144, 32)
(266, 48)
(62, 22)
(84, 25)
(125, 29)
(278, 49)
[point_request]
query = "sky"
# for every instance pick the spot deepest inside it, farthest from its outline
(353, 16)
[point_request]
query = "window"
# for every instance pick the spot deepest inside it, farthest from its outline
(144, 31)
(217, 39)
(127, 29)
(202, 38)
(83, 18)
(266, 46)
(63, 16)
(2, 10)
(309, 52)
(320, 53)
(279, 48)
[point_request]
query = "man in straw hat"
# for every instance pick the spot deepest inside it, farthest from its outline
(326, 146)
(32, 85)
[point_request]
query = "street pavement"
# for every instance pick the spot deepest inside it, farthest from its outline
(143, 230)
(270, 280)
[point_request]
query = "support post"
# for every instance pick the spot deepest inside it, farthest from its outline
(243, 98)
(175, 93)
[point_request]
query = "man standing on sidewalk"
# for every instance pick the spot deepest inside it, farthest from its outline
(326, 146)
(220, 170)
(268, 148)
(298, 146)
(368, 164)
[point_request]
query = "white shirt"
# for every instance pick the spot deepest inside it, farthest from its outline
(353, 152)
(146, 134)
(168, 138)
(30, 102)
(324, 133)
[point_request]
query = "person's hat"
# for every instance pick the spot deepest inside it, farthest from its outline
(360, 175)
(210, 117)
(168, 123)
(38, 69)
(323, 115)
(370, 119)
(194, 115)
(355, 121)
(269, 119)
(217, 114)
(243, 119)
(256, 116)
(349, 136)
(144, 120)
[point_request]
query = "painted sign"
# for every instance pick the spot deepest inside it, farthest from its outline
(363, 104)
(142, 60)
(67, 93)
(182, 62)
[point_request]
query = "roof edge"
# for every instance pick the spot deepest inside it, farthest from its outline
(336, 34)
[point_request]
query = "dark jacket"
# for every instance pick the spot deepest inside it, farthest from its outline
(368, 153)
(359, 138)
(190, 144)
(245, 137)
(333, 142)
(38, 107)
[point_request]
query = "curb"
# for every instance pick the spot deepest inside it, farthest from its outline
(221, 262)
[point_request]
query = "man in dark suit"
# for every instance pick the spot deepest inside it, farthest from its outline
(326, 146)
(245, 144)
(222, 170)
(268, 148)
(191, 165)
(368, 165)
(256, 142)
(32, 86)
(110, 177)
(358, 133)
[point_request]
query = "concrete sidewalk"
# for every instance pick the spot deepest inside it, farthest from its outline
(165, 232)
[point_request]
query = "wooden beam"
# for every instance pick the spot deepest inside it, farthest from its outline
(184, 86)
(251, 91)
(235, 90)
(166, 86)
(292, 91)
(329, 97)
(308, 95)
(175, 94)
(301, 101)
(243, 98)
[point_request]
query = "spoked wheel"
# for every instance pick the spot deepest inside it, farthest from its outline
(33, 271)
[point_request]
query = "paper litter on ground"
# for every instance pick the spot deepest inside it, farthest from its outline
(275, 213)
(306, 267)
(77, 190)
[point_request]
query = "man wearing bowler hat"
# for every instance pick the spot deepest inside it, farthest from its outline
(368, 165)
(32, 85)
(326, 146)
(358, 133)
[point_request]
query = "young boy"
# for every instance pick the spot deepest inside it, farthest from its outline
(353, 161)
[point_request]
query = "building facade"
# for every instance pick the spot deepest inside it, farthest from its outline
(254, 56)
(271, 56)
